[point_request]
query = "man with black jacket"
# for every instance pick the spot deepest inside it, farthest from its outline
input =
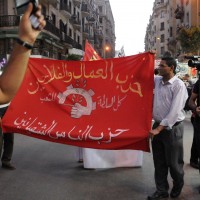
(194, 104)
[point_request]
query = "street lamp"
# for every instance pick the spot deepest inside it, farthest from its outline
(106, 49)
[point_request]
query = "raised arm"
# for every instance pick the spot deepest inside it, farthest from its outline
(13, 74)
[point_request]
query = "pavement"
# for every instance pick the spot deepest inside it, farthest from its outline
(50, 171)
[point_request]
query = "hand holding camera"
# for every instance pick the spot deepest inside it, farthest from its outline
(28, 31)
(21, 6)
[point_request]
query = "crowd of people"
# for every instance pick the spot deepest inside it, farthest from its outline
(170, 96)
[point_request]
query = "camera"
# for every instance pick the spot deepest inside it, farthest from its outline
(21, 6)
(193, 62)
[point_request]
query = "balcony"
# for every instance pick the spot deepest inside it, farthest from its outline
(90, 19)
(76, 45)
(85, 32)
(67, 40)
(76, 23)
(160, 5)
(9, 21)
(77, 3)
(84, 10)
(65, 10)
(98, 33)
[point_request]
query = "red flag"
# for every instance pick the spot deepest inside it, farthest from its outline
(105, 104)
(90, 53)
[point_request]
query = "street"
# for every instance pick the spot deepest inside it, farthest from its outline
(50, 171)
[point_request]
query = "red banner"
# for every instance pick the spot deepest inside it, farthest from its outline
(104, 104)
(90, 53)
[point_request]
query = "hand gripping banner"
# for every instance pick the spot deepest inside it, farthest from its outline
(104, 104)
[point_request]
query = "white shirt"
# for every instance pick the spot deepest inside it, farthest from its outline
(4, 105)
(169, 101)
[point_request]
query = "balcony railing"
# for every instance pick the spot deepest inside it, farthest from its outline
(67, 39)
(52, 29)
(9, 20)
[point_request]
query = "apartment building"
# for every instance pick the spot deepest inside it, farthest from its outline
(167, 19)
(69, 24)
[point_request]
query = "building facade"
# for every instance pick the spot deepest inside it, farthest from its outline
(167, 19)
(69, 24)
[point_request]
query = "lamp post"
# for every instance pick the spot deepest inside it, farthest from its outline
(158, 45)
(197, 19)
(197, 13)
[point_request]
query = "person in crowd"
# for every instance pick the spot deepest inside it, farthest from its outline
(6, 143)
(188, 82)
(170, 95)
(189, 86)
(156, 72)
(194, 103)
(194, 158)
(14, 71)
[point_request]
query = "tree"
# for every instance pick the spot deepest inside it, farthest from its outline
(189, 39)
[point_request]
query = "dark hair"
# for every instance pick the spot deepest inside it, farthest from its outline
(156, 72)
(170, 61)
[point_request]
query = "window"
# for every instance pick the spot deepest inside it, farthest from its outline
(162, 26)
(3, 7)
(162, 50)
(66, 29)
(162, 39)
(187, 18)
(101, 20)
(162, 14)
(62, 26)
(70, 32)
(53, 19)
(100, 9)
(70, 7)
(170, 31)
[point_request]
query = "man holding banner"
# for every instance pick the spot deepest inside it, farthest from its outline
(96, 158)
(170, 95)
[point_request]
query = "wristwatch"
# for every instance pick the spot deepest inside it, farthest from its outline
(24, 44)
